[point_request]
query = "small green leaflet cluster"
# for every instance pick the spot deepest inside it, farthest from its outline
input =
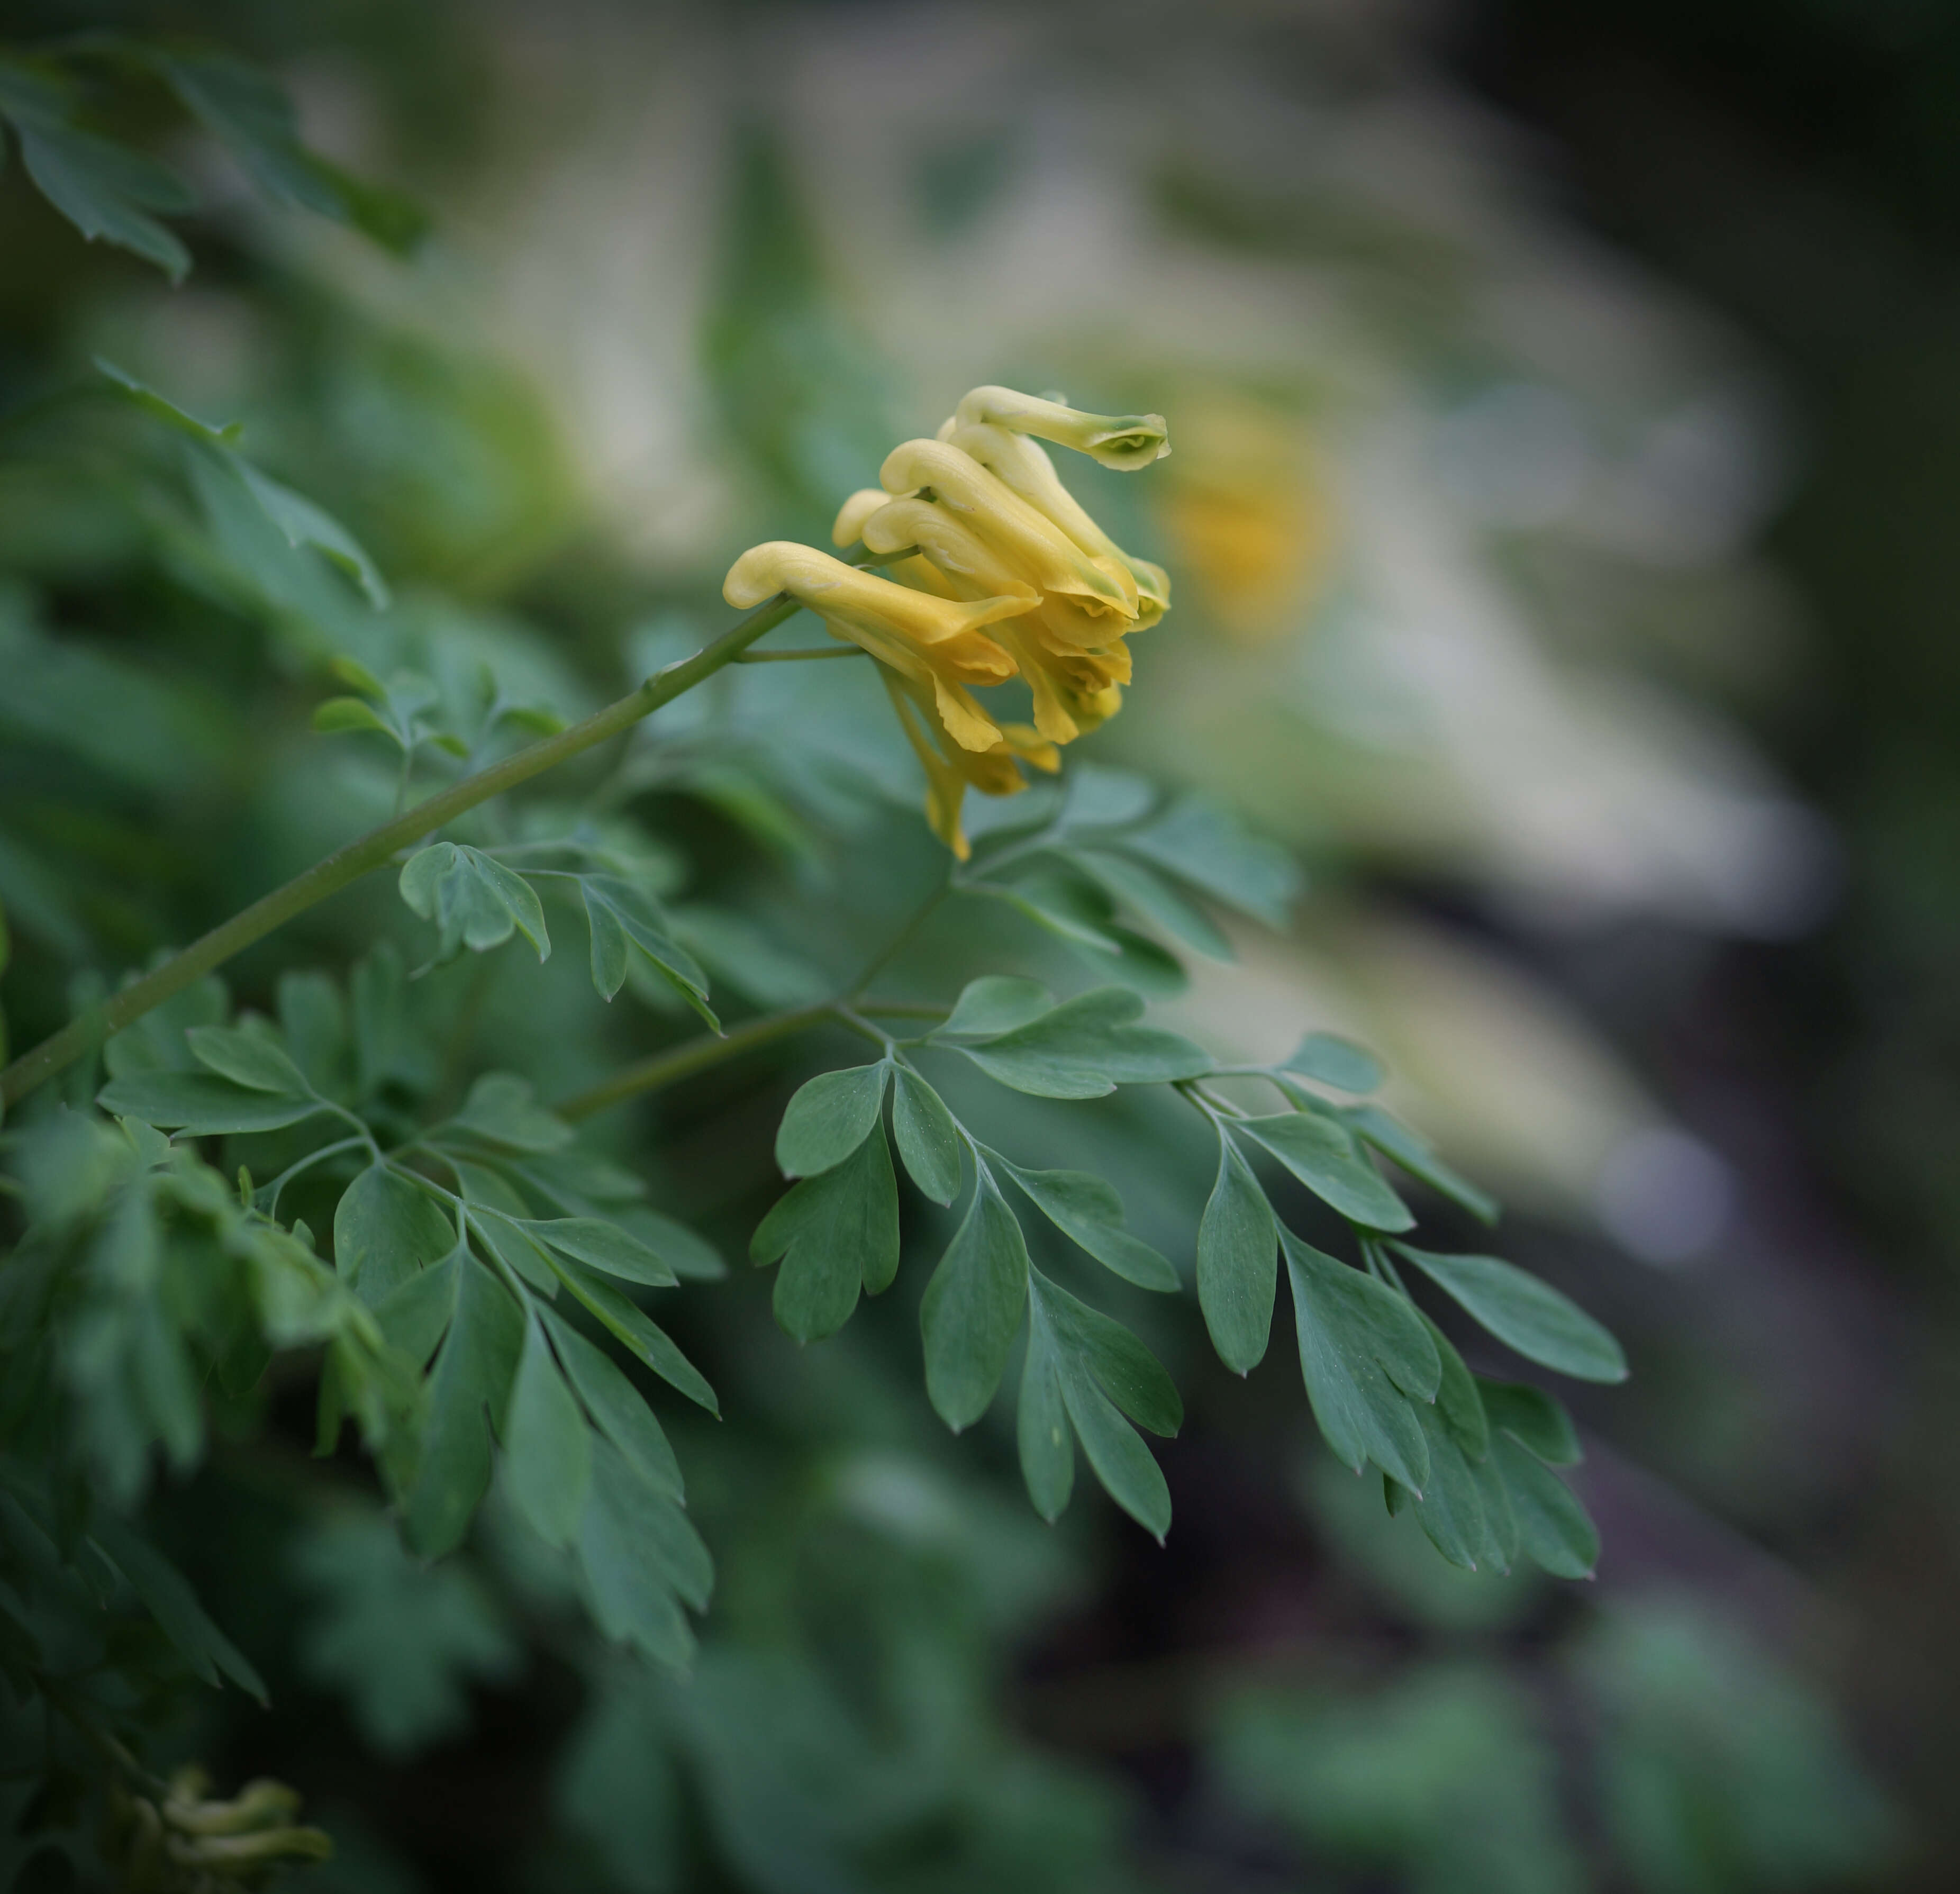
(836, 1230)
(406, 710)
(110, 191)
(142, 1276)
(477, 901)
(1384, 1384)
(1099, 860)
(483, 1254)
(141, 1279)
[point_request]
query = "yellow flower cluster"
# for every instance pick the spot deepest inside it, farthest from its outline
(996, 542)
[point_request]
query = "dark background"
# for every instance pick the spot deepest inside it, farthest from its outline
(1798, 166)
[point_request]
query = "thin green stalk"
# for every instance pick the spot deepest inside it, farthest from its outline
(1213, 1107)
(307, 1163)
(901, 941)
(709, 1049)
(692, 1056)
(803, 655)
(378, 847)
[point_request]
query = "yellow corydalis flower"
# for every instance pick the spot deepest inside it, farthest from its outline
(1001, 544)
(936, 642)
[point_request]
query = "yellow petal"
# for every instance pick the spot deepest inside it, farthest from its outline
(1092, 711)
(852, 514)
(962, 555)
(945, 787)
(965, 566)
(950, 770)
(1048, 681)
(872, 611)
(964, 721)
(1027, 744)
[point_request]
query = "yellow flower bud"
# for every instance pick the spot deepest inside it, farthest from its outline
(1125, 441)
(935, 641)
(1040, 553)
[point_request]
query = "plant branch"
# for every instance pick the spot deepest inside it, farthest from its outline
(378, 847)
(899, 942)
(693, 1055)
(805, 655)
(709, 1049)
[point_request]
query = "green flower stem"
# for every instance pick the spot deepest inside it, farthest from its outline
(379, 846)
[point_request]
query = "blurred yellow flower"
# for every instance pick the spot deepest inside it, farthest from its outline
(1000, 543)
(1250, 515)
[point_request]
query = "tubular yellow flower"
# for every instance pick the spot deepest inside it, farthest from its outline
(1039, 552)
(936, 642)
(1126, 441)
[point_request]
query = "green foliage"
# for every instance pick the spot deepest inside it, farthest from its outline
(832, 1233)
(1100, 1373)
(400, 1642)
(1238, 1246)
(376, 1190)
(1531, 1316)
(1082, 1047)
(108, 190)
(476, 901)
(1445, 1781)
